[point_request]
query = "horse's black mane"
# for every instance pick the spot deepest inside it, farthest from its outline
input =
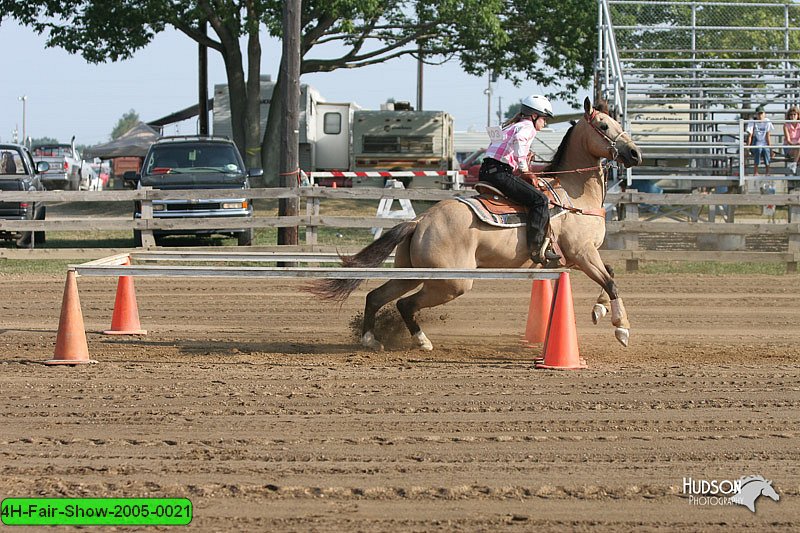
(562, 149)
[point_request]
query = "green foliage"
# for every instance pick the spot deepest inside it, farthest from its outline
(536, 41)
(99, 31)
(512, 110)
(125, 123)
(522, 40)
(38, 141)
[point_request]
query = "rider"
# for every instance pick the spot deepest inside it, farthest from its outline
(506, 167)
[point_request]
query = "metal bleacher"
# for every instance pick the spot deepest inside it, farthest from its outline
(685, 77)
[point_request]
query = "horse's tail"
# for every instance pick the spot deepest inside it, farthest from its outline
(372, 256)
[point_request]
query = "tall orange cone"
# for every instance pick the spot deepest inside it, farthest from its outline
(561, 345)
(538, 311)
(71, 347)
(125, 319)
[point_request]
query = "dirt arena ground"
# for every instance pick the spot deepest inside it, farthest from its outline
(254, 401)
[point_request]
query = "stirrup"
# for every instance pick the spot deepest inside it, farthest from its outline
(546, 255)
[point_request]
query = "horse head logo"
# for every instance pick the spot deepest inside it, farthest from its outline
(751, 488)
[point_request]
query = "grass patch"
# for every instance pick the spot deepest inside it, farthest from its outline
(711, 268)
(35, 266)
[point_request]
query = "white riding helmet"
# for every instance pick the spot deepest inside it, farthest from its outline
(536, 103)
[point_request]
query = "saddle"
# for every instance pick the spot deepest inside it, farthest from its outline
(494, 208)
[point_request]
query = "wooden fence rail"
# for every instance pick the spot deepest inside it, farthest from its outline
(719, 238)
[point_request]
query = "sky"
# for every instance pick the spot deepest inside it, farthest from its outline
(67, 96)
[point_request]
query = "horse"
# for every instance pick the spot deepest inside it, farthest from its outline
(449, 235)
(751, 488)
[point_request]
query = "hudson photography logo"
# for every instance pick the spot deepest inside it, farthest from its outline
(743, 491)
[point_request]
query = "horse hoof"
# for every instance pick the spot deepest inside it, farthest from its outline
(368, 340)
(423, 342)
(598, 312)
(622, 335)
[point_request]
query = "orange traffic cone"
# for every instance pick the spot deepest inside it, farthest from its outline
(71, 347)
(125, 319)
(561, 345)
(538, 311)
(333, 184)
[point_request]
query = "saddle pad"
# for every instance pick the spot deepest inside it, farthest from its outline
(496, 211)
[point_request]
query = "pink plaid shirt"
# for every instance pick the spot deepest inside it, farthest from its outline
(515, 146)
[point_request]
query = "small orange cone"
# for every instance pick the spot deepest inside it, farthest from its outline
(71, 347)
(538, 311)
(125, 319)
(334, 184)
(561, 345)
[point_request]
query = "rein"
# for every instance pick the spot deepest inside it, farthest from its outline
(612, 147)
(579, 170)
(550, 185)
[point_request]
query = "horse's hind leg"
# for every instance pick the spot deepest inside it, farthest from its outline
(432, 293)
(375, 300)
(600, 308)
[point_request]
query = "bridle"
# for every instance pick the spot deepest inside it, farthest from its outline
(612, 143)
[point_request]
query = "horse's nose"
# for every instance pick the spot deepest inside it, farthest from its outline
(634, 157)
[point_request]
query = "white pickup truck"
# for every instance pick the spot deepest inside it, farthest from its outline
(67, 170)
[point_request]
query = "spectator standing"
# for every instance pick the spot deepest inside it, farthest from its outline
(791, 136)
(758, 138)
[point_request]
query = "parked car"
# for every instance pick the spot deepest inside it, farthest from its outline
(68, 171)
(18, 172)
(196, 162)
(472, 164)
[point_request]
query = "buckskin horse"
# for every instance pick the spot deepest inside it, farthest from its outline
(449, 235)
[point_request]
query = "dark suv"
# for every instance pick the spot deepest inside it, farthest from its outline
(196, 162)
(18, 172)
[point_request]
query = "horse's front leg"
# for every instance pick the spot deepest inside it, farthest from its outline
(591, 264)
(603, 304)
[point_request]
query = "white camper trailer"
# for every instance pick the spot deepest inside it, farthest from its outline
(325, 134)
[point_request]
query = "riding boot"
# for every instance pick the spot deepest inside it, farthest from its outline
(535, 238)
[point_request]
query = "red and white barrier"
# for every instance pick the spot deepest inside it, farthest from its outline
(384, 174)
(455, 180)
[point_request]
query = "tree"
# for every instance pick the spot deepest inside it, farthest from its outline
(124, 124)
(43, 140)
(548, 43)
(512, 110)
(116, 29)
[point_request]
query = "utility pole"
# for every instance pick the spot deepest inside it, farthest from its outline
(488, 93)
(290, 121)
(24, 100)
(420, 64)
(202, 82)
(499, 110)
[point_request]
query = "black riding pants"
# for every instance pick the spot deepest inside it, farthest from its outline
(502, 177)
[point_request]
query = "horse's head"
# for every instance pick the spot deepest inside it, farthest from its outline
(768, 491)
(609, 139)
